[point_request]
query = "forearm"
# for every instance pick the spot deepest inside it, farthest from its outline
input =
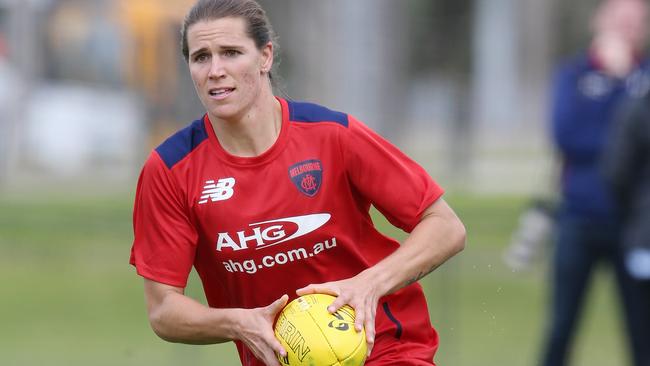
(438, 237)
(180, 319)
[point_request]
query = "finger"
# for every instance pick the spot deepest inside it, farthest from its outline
(358, 324)
(371, 319)
(322, 288)
(338, 303)
(359, 319)
(277, 347)
(370, 335)
(278, 304)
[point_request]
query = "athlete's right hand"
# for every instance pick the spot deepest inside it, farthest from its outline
(255, 330)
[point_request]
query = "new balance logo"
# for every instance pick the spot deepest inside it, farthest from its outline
(220, 191)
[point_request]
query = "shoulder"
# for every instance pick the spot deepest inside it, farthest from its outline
(574, 64)
(568, 73)
(305, 112)
(182, 143)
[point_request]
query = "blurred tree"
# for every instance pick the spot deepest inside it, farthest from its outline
(348, 55)
(153, 64)
(82, 44)
(440, 32)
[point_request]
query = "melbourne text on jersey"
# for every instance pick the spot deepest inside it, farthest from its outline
(305, 167)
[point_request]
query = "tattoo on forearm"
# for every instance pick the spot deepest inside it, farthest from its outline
(420, 276)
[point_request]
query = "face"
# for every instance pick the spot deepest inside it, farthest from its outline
(229, 72)
(624, 19)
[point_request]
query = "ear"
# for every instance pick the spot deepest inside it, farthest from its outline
(266, 58)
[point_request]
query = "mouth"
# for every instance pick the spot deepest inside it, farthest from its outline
(220, 93)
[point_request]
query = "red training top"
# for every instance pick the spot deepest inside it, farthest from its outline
(256, 228)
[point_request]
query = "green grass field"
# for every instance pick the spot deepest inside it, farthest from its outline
(69, 296)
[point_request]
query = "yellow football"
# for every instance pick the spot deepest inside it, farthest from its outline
(312, 336)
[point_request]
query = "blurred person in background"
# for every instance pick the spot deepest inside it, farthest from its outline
(627, 168)
(587, 91)
(260, 179)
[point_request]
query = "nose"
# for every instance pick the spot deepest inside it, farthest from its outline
(216, 69)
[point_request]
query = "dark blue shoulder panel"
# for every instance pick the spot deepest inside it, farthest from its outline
(310, 112)
(180, 144)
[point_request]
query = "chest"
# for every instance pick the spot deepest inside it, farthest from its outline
(243, 208)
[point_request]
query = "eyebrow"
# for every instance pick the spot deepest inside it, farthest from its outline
(231, 47)
(223, 47)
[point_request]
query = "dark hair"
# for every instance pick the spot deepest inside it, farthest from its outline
(257, 23)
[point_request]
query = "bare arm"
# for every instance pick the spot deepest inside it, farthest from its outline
(437, 237)
(175, 317)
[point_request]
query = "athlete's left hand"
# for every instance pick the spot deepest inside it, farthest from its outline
(360, 292)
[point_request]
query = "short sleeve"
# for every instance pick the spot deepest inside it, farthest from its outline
(395, 184)
(165, 240)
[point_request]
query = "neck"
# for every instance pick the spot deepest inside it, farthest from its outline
(254, 132)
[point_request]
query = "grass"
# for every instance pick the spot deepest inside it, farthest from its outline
(70, 298)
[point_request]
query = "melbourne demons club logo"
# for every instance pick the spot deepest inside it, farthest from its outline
(307, 176)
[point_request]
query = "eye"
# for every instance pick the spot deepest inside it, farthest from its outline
(201, 57)
(231, 53)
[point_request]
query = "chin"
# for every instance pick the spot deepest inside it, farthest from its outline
(225, 112)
